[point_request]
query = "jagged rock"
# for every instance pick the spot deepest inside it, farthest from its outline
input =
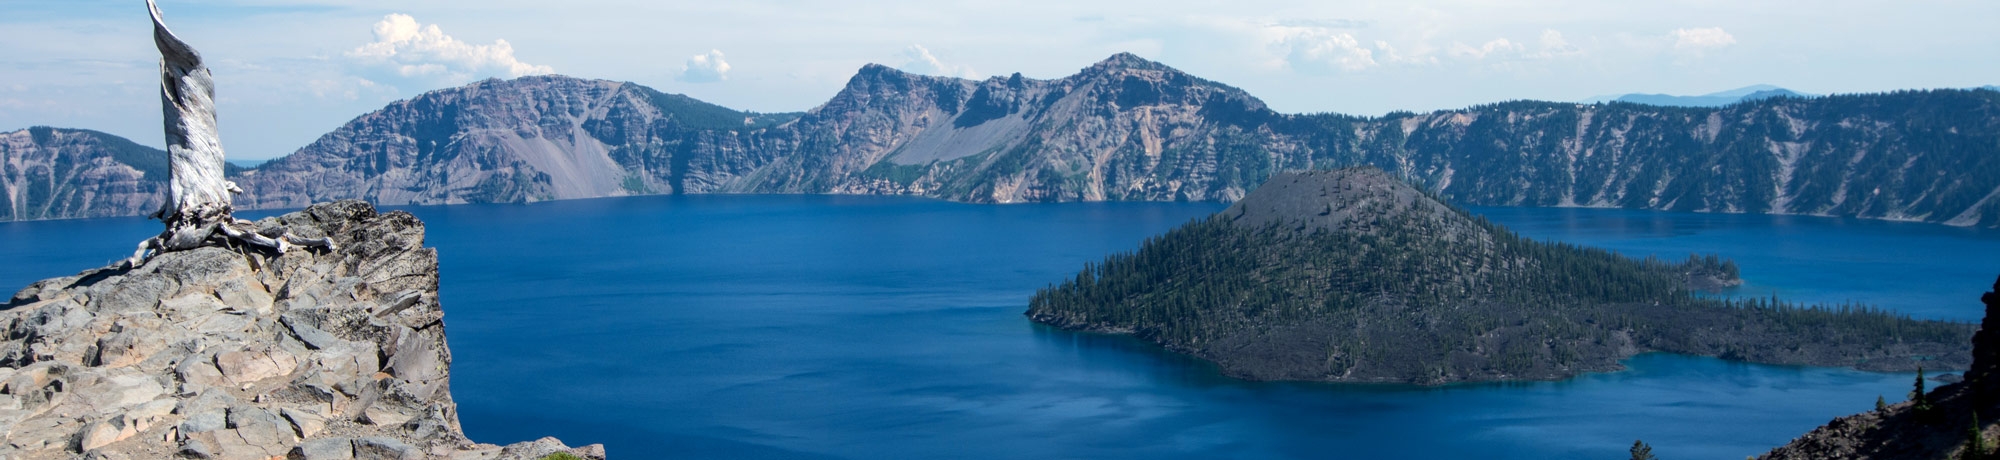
(248, 366)
(379, 448)
(305, 423)
(234, 353)
(323, 449)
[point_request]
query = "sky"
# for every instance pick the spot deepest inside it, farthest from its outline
(288, 71)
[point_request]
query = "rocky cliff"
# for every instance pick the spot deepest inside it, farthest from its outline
(231, 353)
(1353, 275)
(1903, 431)
(1132, 129)
(530, 139)
(54, 173)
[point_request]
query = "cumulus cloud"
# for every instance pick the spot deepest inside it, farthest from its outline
(1334, 46)
(1697, 41)
(1496, 47)
(410, 49)
(705, 68)
(1320, 49)
(1551, 45)
(917, 59)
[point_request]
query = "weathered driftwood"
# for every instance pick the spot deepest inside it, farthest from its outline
(197, 210)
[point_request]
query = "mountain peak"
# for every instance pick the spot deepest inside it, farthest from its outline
(876, 69)
(1331, 200)
(1125, 60)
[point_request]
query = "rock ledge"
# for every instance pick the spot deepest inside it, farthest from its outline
(237, 354)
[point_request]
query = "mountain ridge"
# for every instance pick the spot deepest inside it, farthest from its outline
(1715, 99)
(1127, 128)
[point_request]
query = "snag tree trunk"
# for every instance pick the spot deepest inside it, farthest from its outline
(197, 211)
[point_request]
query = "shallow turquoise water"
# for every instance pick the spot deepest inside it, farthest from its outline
(873, 327)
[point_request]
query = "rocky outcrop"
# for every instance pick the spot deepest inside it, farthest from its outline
(1353, 275)
(232, 353)
(1902, 431)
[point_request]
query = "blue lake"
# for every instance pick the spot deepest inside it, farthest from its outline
(883, 327)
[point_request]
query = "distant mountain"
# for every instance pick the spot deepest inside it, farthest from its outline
(1719, 99)
(530, 139)
(1355, 276)
(57, 173)
(1131, 129)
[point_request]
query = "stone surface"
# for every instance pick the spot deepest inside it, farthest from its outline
(215, 353)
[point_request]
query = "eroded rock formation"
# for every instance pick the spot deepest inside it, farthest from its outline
(235, 353)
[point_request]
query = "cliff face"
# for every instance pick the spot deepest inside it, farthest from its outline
(1353, 275)
(530, 139)
(1131, 129)
(223, 353)
(52, 173)
(1902, 431)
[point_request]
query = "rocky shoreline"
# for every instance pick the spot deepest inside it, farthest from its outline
(233, 353)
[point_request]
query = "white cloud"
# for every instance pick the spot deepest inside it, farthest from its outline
(1697, 41)
(413, 50)
(1496, 47)
(917, 59)
(1555, 46)
(705, 68)
(1320, 49)
(1551, 45)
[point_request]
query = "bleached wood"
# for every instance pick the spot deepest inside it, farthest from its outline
(197, 209)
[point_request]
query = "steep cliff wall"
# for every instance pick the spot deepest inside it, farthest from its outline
(53, 173)
(235, 354)
(1131, 129)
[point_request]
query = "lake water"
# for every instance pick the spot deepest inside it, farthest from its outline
(882, 327)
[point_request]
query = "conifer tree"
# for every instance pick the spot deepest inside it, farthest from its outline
(1641, 451)
(1921, 402)
(1975, 443)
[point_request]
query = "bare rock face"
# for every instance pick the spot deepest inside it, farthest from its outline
(1131, 129)
(233, 353)
(1901, 431)
(53, 173)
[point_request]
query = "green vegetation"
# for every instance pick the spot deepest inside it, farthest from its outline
(1414, 296)
(900, 174)
(692, 113)
(1921, 401)
(1975, 441)
(560, 456)
(1641, 451)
